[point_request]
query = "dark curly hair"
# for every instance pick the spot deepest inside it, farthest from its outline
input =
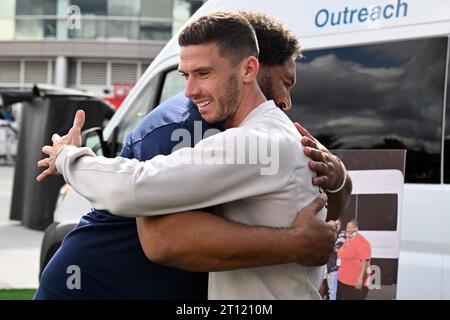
(276, 42)
(230, 30)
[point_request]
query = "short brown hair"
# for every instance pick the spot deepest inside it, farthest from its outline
(276, 42)
(231, 31)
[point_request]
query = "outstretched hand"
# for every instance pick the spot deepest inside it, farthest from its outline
(72, 138)
(330, 173)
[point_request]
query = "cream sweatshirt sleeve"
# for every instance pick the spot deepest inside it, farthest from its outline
(187, 179)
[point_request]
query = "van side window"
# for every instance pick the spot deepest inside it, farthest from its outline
(173, 84)
(148, 99)
(447, 127)
(383, 96)
(137, 111)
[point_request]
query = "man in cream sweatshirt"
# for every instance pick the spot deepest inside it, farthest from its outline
(255, 170)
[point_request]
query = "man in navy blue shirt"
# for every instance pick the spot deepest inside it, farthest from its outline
(107, 249)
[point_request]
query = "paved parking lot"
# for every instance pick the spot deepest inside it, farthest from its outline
(19, 246)
(6, 183)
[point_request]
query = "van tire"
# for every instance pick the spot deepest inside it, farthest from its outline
(53, 237)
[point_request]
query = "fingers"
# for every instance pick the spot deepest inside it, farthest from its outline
(55, 138)
(321, 181)
(51, 170)
(44, 175)
(307, 142)
(302, 130)
(74, 134)
(313, 154)
(320, 167)
(44, 163)
(319, 202)
(47, 149)
(78, 122)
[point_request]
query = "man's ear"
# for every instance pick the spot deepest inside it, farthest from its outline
(250, 68)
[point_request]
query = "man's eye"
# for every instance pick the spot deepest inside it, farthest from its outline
(203, 74)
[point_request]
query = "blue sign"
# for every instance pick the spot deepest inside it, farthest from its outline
(374, 13)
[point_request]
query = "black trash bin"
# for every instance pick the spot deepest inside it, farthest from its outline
(50, 110)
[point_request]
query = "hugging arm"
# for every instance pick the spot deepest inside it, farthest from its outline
(201, 241)
(105, 181)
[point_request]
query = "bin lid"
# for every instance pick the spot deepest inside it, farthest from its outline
(10, 95)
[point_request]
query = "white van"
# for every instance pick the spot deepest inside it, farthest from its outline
(374, 76)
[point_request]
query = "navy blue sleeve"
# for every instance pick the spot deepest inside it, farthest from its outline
(127, 150)
(158, 141)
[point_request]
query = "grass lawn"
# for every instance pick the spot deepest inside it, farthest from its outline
(17, 294)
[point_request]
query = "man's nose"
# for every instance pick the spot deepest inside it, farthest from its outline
(192, 89)
(286, 103)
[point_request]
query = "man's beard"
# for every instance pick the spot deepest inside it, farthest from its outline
(266, 88)
(229, 102)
